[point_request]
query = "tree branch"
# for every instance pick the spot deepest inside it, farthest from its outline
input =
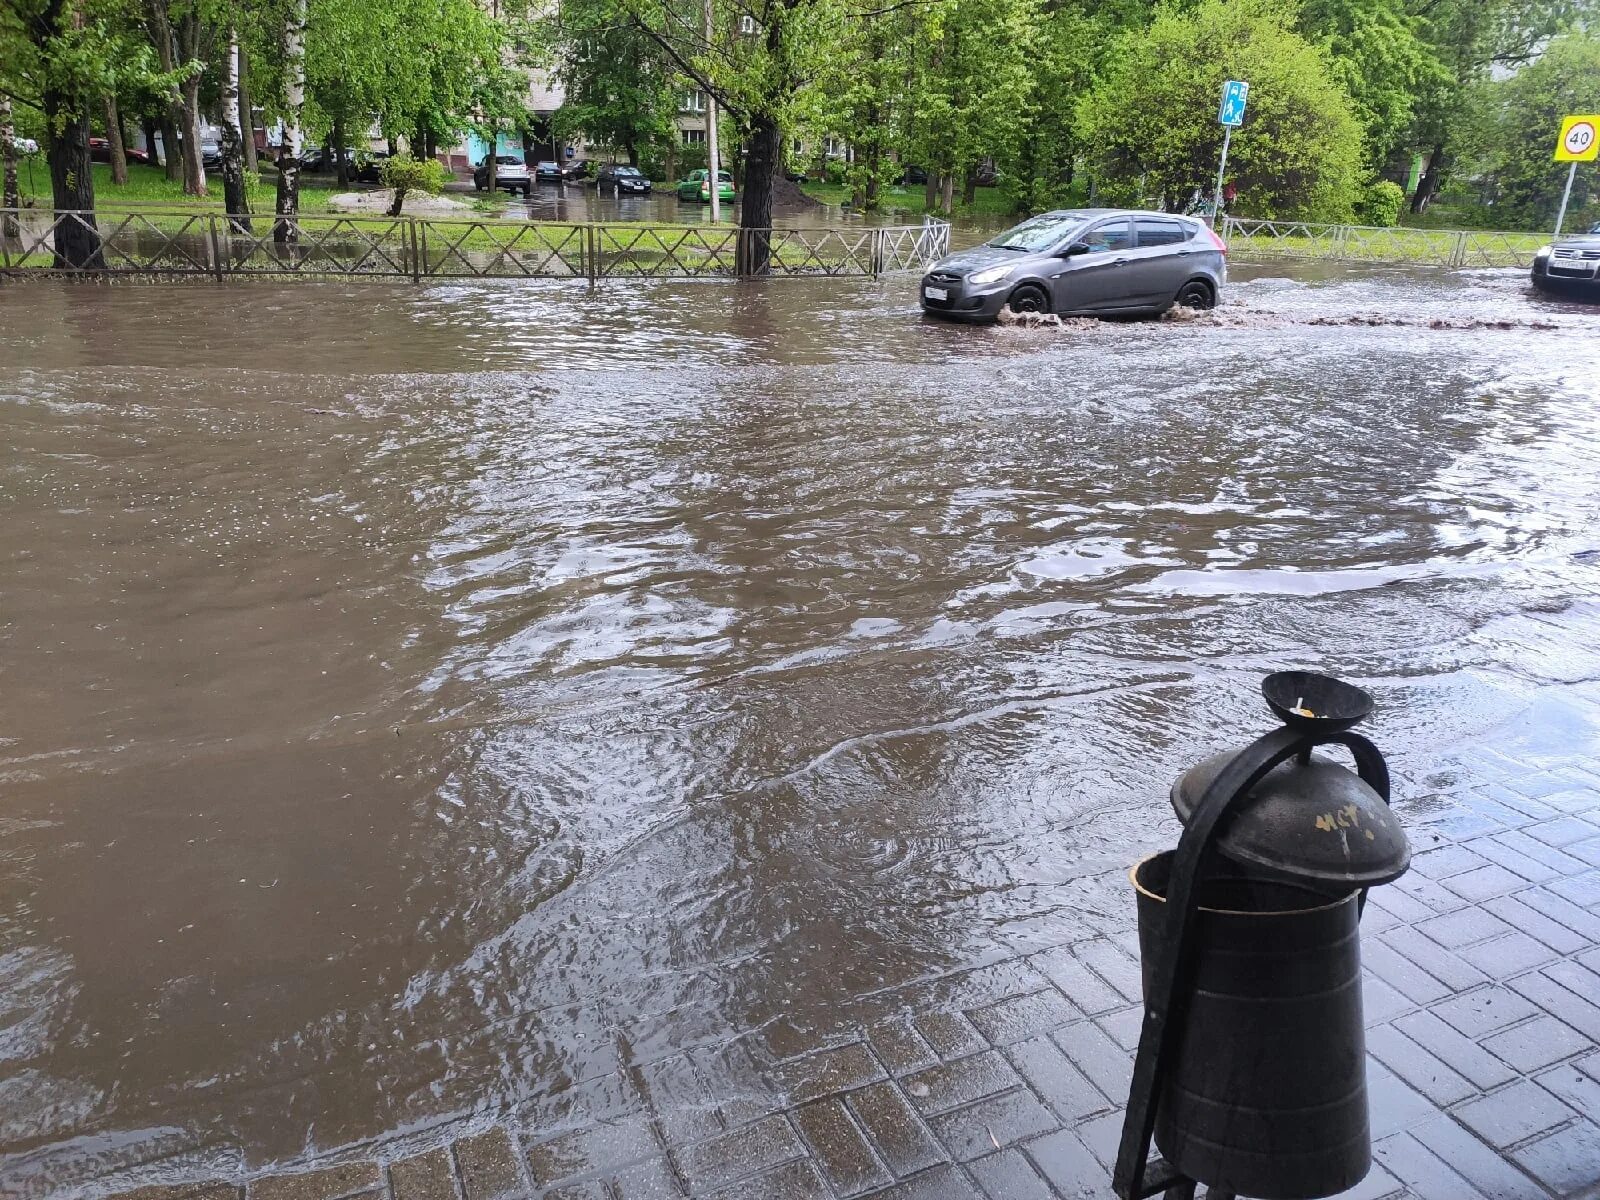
(717, 94)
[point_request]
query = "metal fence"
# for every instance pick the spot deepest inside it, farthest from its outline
(178, 243)
(1365, 243)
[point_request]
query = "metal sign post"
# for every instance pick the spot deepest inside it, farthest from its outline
(1579, 141)
(1235, 94)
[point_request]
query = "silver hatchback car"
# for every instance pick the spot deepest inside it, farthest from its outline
(1082, 262)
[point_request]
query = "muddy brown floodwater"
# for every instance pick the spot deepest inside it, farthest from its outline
(410, 696)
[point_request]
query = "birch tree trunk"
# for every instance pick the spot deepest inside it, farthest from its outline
(119, 152)
(11, 198)
(286, 229)
(235, 199)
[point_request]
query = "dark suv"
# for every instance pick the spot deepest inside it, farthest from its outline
(1083, 262)
(622, 177)
(1570, 267)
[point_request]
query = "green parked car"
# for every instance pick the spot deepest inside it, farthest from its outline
(696, 186)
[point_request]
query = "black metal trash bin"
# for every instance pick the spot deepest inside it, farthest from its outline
(1251, 1070)
(1274, 1094)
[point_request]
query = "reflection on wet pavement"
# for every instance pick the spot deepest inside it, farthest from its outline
(409, 692)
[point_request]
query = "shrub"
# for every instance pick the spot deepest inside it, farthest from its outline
(1151, 122)
(406, 174)
(1381, 203)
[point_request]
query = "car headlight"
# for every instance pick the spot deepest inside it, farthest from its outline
(990, 275)
(1542, 251)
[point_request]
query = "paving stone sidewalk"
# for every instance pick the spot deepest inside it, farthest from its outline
(1006, 1081)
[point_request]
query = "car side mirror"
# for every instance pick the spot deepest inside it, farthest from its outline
(1076, 249)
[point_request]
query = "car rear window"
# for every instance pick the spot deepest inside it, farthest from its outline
(1163, 233)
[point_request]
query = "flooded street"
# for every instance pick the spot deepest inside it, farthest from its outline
(418, 704)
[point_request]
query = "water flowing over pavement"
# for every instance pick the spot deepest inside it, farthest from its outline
(424, 708)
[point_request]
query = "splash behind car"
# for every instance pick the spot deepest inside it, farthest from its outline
(1570, 267)
(1082, 262)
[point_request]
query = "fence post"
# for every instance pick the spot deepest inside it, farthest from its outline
(592, 253)
(411, 245)
(877, 253)
(216, 248)
(5, 227)
(1458, 249)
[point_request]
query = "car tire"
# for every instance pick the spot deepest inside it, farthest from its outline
(1197, 293)
(1029, 298)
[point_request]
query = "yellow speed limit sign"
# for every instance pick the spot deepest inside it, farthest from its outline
(1579, 140)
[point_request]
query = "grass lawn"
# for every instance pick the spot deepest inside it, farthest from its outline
(1441, 247)
(149, 187)
(987, 201)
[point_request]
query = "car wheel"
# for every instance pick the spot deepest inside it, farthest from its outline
(1029, 298)
(1196, 293)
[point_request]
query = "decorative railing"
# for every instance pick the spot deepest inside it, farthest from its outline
(178, 243)
(1365, 243)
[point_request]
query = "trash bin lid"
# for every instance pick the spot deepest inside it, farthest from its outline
(1317, 821)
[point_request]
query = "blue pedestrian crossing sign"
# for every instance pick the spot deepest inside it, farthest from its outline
(1234, 94)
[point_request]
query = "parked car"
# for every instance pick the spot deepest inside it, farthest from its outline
(1092, 261)
(1570, 267)
(316, 159)
(510, 174)
(622, 177)
(100, 151)
(698, 187)
(561, 172)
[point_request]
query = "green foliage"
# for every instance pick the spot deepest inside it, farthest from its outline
(1380, 204)
(1377, 53)
(407, 174)
(1151, 125)
(620, 88)
(1565, 80)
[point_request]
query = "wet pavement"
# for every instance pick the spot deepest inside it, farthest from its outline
(629, 735)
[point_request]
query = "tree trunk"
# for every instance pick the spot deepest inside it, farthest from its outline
(632, 147)
(340, 158)
(77, 238)
(1428, 185)
(194, 171)
(755, 214)
(947, 192)
(286, 229)
(119, 152)
(969, 187)
(171, 156)
(930, 190)
(245, 114)
(10, 193)
(235, 199)
(147, 126)
(172, 118)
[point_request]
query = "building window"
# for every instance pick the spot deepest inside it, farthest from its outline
(694, 101)
(747, 24)
(694, 137)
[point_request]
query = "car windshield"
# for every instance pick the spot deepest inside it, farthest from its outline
(1039, 233)
(1594, 229)
(625, 171)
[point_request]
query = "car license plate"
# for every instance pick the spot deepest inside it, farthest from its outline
(933, 293)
